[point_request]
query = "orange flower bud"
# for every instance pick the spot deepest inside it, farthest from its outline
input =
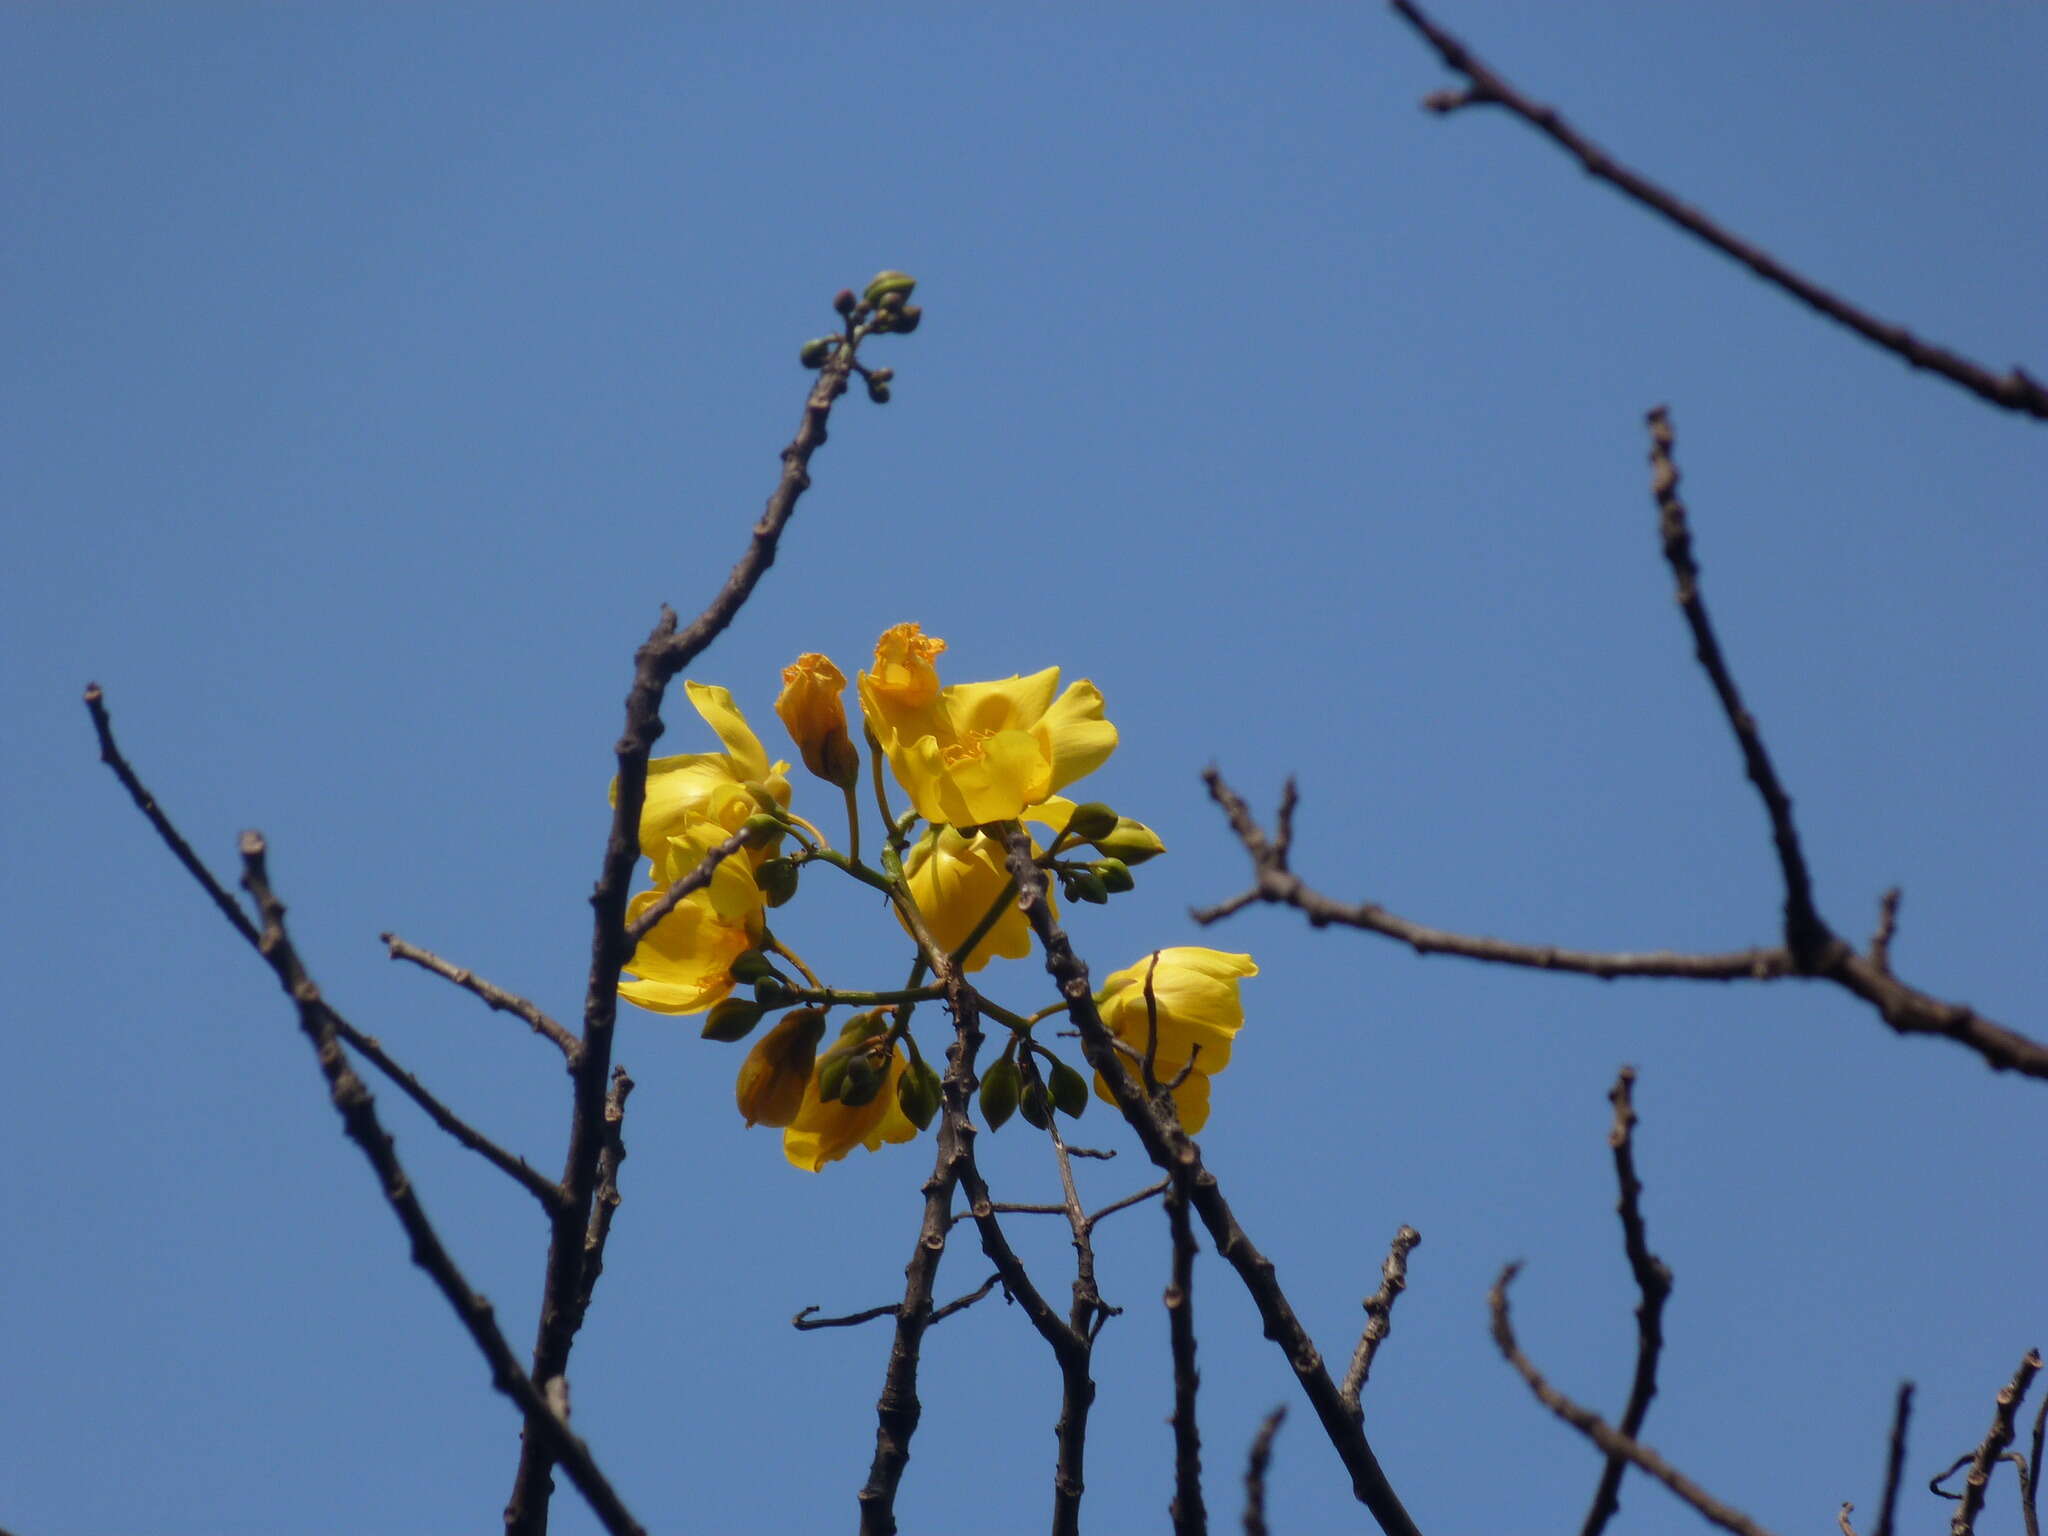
(770, 1087)
(814, 715)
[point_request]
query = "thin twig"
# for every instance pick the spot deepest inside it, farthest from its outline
(664, 654)
(605, 1204)
(686, 885)
(1842, 1518)
(1190, 1518)
(498, 999)
(1167, 1146)
(1599, 1431)
(1653, 1283)
(2016, 391)
(1887, 930)
(1895, 1460)
(2030, 1473)
(359, 1118)
(803, 1322)
(1994, 1445)
(1379, 1315)
(1255, 1472)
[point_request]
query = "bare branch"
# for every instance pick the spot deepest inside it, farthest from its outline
(2016, 391)
(663, 655)
(2030, 1471)
(1653, 1282)
(1379, 1314)
(1842, 1518)
(1599, 1431)
(358, 1112)
(1994, 1445)
(1190, 1517)
(1895, 1459)
(605, 1203)
(498, 999)
(1172, 1150)
(803, 1322)
(1255, 1472)
(1887, 930)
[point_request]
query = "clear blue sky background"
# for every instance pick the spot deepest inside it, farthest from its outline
(373, 374)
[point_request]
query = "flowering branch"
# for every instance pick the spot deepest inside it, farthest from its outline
(1810, 949)
(2016, 391)
(1172, 1150)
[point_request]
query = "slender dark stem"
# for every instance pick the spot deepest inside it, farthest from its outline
(2016, 391)
(2030, 1473)
(544, 1425)
(1255, 1472)
(1379, 1314)
(803, 1322)
(1171, 1150)
(497, 998)
(1600, 1432)
(1190, 1517)
(1895, 1460)
(687, 885)
(606, 1202)
(1653, 1283)
(665, 653)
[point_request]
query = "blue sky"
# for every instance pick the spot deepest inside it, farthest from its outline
(376, 372)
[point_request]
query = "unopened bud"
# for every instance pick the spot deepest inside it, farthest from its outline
(863, 1081)
(761, 826)
(732, 1019)
(879, 393)
(1084, 885)
(843, 301)
(1091, 821)
(1131, 841)
(777, 880)
(1114, 874)
(1034, 1105)
(917, 1094)
(999, 1085)
(908, 320)
(1069, 1090)
(817, 352)
(751, 966)
(885, 283)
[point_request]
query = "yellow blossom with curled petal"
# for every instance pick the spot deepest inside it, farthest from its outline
(771, 1082)
(813, 713)
(972, 753)
(1195, 991)
(955, 880)
(709, 786)
(823, 1132)
(685, 964)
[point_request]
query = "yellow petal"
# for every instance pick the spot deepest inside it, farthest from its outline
(723, 716)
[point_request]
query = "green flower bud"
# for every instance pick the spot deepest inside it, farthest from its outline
(733, 1019)
(817, 352)
(863, 1026)
(917, 1094)
(761, 826)
(886, 283)
(1114, 874)
(1084, 885)
(832, 1076)
(843, 301)
(1069, 1090)
(1091, 821)
(1035, 1105)
(751, 966)
(1132, 841)
(777, 880)
(999, 1086)
(771, 991)
(863, 1081)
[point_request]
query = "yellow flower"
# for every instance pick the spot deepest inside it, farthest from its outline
(824, 1132)
(772, 1080)
(978, 752)
(811, 710)
(1196, 993)
(685, 964)
(955, 880)
(708, 786)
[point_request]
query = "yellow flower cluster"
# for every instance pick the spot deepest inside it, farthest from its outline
(971, 758)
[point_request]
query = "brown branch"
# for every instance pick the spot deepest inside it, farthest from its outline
(2030, 1471)
(544, 1425)
(1255, 1472)
(1603, 1434)
(605, 1204)
(1887, 930)
(497, 998)
(1653, 1282)
(1842, 1518)
(681, 889)
(1895, 1460)
(665, 653)
(1379, 1314)
(803, 1322)
(1172, 1150)
(2016, 391)
(1810, 949)
(1993, 1446)
(1190, 1517)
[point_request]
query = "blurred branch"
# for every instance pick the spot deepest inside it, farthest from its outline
(1653, 1282)
(1895, 1459)
(497, 998)
(2016, 391)
(359, 1118)
(1601, 1433)
(1991, 1449)
(1255, 1472)
(1379, 1315)
(1175, 1153)
(665, 653)
(1810, 949)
